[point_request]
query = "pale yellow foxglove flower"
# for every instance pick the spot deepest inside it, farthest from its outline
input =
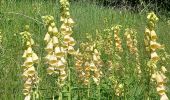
(31, 71)
(58, 52)
(50, 70)
(47, 37)
(49, 47)
(34, 57)
(153, 35)
(55, 41)
(154, 57)
(28, 61)
(55, 31)
(50, 30)
(53, 59)
(71, 50)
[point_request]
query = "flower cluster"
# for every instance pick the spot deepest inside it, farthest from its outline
(55, 51)
(132, 42)
(157, 75)
(88, 63)
(66, 27)
(118, 43)
(30, 76)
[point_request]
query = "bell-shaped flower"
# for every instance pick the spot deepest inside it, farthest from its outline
(72, 41)
(161, 89)
(60, 65)
(58, 52)
(49, 47)
(154, 56)
(29, 51)
(50, 70)
(31, 71)
(153, 35)
(28, 84)
(55, 40)
(47, 37)
(154, 45)
(28, 61)
(67, 38)
(55, 31)
(26, 91)
(50, 29)
(53, 59)
(63, 60)
(34, 57)
(71, 50)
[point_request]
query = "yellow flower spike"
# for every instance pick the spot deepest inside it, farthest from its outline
(28, 61)
(154, 57)
(31, 71)
(49, 47)
(47, 37)
(55, 31)
(34, 57)
(71, 50)
(58, 52)
(55, 41)
(50, 70)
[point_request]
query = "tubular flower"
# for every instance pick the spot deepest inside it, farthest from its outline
(55, 51)
(66, 27)
(30, 75)
(153, 46)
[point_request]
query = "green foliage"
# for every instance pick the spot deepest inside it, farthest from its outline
(15, 15)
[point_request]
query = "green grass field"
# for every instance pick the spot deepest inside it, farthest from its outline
(88, 17)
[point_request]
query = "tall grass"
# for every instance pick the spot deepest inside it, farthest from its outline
(13, 17)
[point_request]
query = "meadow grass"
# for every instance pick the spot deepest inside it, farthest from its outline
(88, 17)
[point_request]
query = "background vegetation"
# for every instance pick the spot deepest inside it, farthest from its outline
(15, 14)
